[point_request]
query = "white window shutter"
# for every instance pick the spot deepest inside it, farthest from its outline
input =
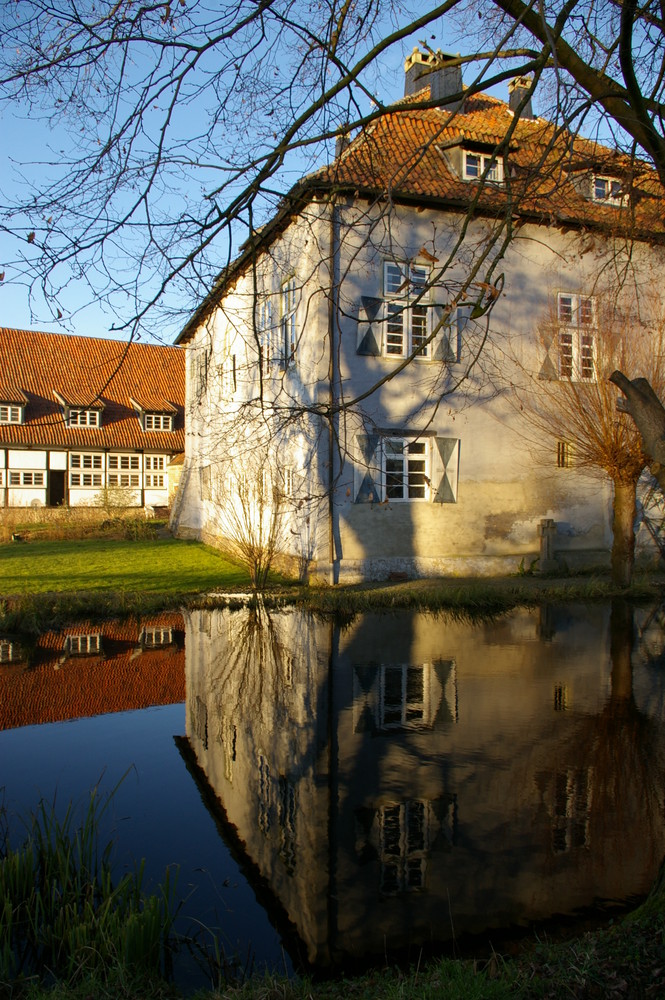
(445, 469)
(367, 470)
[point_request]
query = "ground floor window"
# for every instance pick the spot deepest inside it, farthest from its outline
(82, 469)
(408, 468)
(405, 470)
(26, 478)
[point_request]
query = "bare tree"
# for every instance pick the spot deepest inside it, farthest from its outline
(178, 127)
(575, 409)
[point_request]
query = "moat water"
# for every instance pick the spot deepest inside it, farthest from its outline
(335, 796)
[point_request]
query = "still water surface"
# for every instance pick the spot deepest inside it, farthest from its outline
(336, 794)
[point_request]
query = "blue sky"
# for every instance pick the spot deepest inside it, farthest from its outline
(30, 141)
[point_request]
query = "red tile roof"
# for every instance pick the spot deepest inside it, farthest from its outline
(405, 154)
(127, 676)
(89, 373)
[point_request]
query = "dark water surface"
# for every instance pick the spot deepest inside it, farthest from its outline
(332, 795)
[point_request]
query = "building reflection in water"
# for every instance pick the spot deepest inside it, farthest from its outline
(413, 778)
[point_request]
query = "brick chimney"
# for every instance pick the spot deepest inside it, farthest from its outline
(518, 89)
(433, 70)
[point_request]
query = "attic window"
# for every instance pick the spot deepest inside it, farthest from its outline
(158, 422)
(11, 414)
(481, 165)
(83, 418)
(607, 190)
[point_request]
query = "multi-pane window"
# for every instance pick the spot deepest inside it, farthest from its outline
(404, 830)
(11, 414)
(607, 190)
(83, 418)
(153, 636)
(478, 164)
(405, 469)
(84, 645)
(402, 696)
(267, 346)
(576, 315)
(154, 471)
(82, 469)
(158, 422)
(26, 478)
(287, 481)
(563, 454)
(6, 651)
(124, 470)
(288, 321)
(406, 316)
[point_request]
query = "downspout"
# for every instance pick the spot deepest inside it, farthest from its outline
(332, 383)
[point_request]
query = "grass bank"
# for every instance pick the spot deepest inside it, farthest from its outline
(46, 584)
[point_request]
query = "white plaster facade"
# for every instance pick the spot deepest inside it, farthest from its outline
(318, 389)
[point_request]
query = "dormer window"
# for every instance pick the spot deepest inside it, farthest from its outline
(83, 418)
(11, 414)
(79, 412)
(154, 414)
(607, 190)
(482, 165)
(158, 422)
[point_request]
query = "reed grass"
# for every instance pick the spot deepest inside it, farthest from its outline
(63, 915)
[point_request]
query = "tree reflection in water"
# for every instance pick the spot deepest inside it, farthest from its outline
(409, 779)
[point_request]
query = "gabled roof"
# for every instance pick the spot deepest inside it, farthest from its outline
(404, 154)
(54, 370)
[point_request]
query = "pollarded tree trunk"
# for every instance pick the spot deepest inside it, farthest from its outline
(623, 529)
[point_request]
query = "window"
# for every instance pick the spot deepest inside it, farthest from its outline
(405, 470)
(11, 414)
(158, 422)
(404, 845)
(607, 190)
(564, 451)
(6, 651)
(406, 316)
(82, 468)
(83, 418)
(157, 637)
(266, 334)
(287, 482)
(288, 324)
(402, 696)
(84, 645)
(26, 478)
(478, 164)
(154, 471)
(576, 314)
(124, 479)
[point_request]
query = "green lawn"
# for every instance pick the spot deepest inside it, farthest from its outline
(165, 566)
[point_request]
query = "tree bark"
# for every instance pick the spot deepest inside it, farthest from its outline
(623, 529)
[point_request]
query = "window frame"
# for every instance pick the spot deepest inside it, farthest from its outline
(390, 476)
(576, 337)
(165, 421)
(486, 161)
(81, 469)
(407, 310)
(613, 193)
(14, 413)
(75, 415)
(287, 321)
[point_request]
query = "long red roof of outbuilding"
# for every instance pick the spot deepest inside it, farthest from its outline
(88, 372)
